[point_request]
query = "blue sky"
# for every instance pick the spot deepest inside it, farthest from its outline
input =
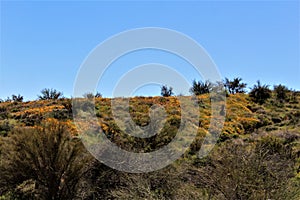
(44, 43)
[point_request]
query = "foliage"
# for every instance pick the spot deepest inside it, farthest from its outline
(17, 98)
(3, 112)
(155, 185)
(242, 170)
(281, 92)
(47, 94)
(260, 93)
(199, 87)
(89, 95)
(166, 91)
(250, 161)
(235, 86)
(42, 162)
(6, 126)
(293, 96)
(68, 105)
(98, 95)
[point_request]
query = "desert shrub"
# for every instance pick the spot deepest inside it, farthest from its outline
(293, 96)
(98, 95)
(260, 93)
(235, 86)
(42, 163)
(166, 91)
(67, 103)
(47, 94)
(31, 119)
(99, 182)
(6, 126)
(199, 87)
(60, 114)
(161, 184)
(89, 95)
(281, 92)
(3, 113)
(240, 170)
(294, 117)
(82, 106)
(17, 98)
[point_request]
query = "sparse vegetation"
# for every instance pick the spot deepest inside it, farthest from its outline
(90, 95)
(260, 93)
(43, 162)
(17, 98)
(199, 87)
(281, 92)
(166, 91)
(98, 95)
(47, 94)
(235, 86)
(257, 155)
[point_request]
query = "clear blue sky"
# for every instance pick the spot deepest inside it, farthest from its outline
(44, 43)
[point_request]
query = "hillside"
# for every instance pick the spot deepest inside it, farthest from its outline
(256, 157)
(242, 115)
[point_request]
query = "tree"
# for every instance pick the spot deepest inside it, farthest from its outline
(281, 92)
(260, 93)
(199, 87)
(235, 86)
(50, 94)
(18, 98)
(43, 162)
(166, 91)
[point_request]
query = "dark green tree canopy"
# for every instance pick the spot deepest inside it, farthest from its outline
(199, 87)
(235, 86)
(260, 93)
(50, 94)
(166, 91)
(281, 92)
(17, 98)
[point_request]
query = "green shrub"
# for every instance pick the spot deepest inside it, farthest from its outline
(43, 162)
(6, 126)
(281, 92)
(235, 86)
(16, 98)
(47, 94)
(260, 93)
(166, 91)
(199, 87)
